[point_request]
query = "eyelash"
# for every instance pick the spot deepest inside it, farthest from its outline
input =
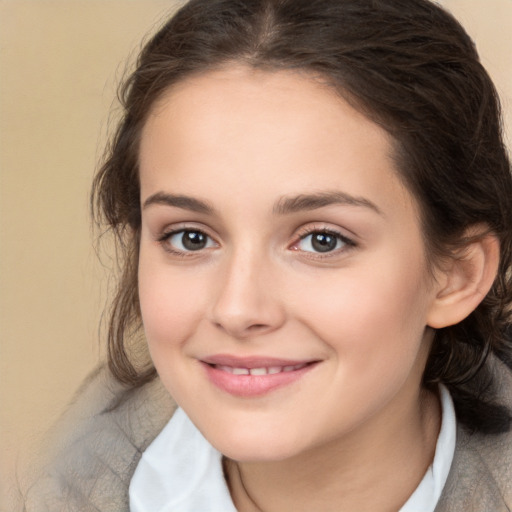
(348, 243)
(164, 240)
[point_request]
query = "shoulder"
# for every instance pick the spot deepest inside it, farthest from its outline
(96, 445)
(481, 473)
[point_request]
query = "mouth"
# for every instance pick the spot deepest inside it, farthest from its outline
(263, 370)
(254, 377)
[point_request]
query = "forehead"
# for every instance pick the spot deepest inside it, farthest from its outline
(278, 131)
(239, 96)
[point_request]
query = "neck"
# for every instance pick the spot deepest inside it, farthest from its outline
(374, 469)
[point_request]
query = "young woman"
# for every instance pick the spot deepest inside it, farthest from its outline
(314, 201)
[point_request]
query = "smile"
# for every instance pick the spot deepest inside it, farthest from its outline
(253, 377)
(270, 370)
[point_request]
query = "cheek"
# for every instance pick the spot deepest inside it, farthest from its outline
(369, 317)
(171, 304)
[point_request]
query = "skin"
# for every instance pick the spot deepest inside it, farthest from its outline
(356, 432)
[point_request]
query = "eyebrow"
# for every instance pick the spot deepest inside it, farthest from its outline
(285, 205)
(178, 201)
(304, 202)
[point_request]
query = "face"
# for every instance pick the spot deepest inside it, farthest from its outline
(282, 278)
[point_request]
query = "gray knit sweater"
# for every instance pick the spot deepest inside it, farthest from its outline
(102, 435)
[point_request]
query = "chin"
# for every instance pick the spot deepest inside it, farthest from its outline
(256, 447)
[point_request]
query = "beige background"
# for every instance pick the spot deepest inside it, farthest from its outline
(59, 63)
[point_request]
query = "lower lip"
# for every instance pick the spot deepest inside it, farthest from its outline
(253, 385)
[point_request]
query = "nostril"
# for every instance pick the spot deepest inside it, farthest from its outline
(242, 331)
(257, 327)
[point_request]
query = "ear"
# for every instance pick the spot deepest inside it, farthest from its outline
(465, 280)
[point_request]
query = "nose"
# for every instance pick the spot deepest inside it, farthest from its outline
(247, 301)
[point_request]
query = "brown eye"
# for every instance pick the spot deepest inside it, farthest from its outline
(193, 240)
(189, 240)
(323, 242)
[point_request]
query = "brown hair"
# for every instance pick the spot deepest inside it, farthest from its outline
(406, 64)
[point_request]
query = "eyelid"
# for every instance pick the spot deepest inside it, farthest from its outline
(173, 228)
(303, 233)
(349, 242)
(168, 232)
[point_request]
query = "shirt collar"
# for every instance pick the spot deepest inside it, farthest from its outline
(192, 478)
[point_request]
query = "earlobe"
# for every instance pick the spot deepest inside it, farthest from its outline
(464, 282)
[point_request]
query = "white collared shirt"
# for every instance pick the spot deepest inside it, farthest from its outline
(180, 471)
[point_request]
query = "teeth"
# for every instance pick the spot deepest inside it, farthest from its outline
(271, 370)
(240, 371)
(258, 371)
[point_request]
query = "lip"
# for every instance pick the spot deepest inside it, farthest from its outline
(283, 372)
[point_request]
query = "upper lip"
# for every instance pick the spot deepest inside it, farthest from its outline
(253, 361)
